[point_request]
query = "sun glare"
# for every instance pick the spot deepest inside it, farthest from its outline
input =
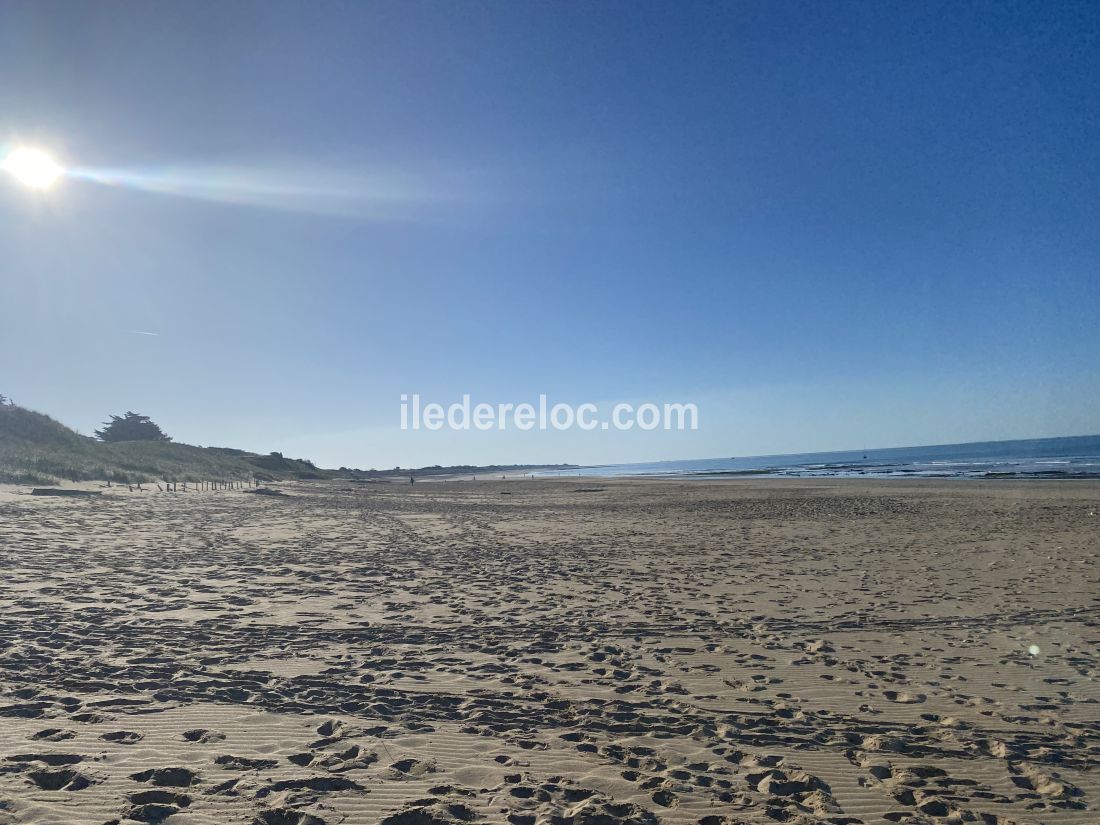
(33, 168)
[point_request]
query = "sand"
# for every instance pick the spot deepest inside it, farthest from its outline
(556, 651)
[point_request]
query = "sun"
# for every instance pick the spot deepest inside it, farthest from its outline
(33, 168)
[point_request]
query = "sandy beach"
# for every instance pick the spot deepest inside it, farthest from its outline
(554, 651)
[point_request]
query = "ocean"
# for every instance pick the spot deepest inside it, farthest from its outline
(1072, 457)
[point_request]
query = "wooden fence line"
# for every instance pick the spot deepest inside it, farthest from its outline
(196, 486)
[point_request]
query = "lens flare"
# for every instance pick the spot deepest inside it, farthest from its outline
(33, 168)
(287, 185)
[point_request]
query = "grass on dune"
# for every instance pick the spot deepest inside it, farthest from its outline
(36, 449)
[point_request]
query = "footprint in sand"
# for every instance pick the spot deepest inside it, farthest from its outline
(167, 777)
(53, 735)
(411, 768)
(51, 759)
(904, 698)
(64, 779)
(203, 736)
(437, 813)
(122, 737)
(244, 763)
(156, 806)
(286, 816)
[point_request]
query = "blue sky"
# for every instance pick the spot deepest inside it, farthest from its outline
(830, 225)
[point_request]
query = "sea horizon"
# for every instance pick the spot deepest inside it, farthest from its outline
(1076, 456)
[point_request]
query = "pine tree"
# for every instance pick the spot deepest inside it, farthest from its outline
(131, 427)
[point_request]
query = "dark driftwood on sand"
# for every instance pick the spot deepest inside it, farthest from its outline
(57, 491)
